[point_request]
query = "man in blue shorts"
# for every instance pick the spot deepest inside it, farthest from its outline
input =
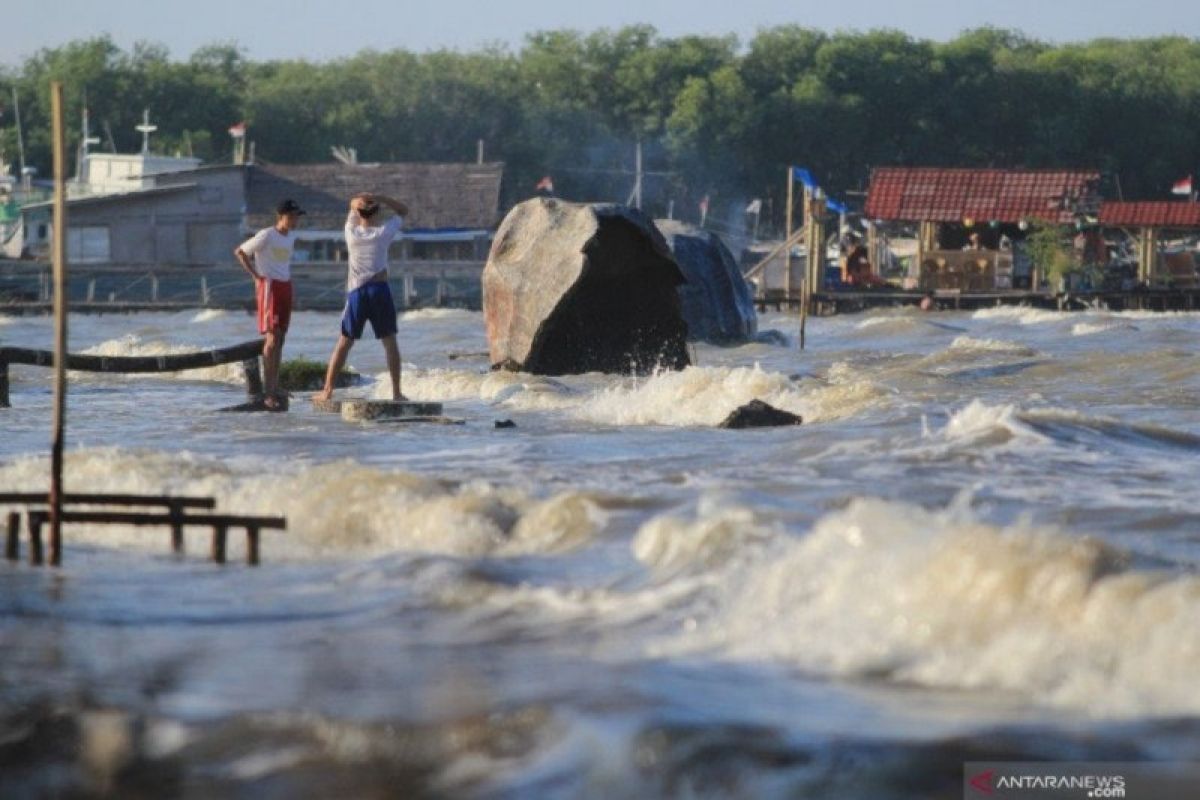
(368, 296)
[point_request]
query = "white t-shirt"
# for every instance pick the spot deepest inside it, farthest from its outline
(272, 252)
(367, 248)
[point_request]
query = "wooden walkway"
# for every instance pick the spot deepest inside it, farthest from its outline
(841, 302)
(246, 352)
(178, 514)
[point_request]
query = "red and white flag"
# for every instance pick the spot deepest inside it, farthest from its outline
(703, 209)
(1182, 186)
(545, 185)
(238, 130)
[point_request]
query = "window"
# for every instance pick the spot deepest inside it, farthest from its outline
(88, 244)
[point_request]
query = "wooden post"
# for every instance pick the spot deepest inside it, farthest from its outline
(252, 545)
(806, 286)
(60, 321)
(787, 251)
(3, 384)
(218, 543)
(34, 521)
(12, 543)
(1148, 255)
(176, 512)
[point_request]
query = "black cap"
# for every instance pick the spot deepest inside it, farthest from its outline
(289, 207)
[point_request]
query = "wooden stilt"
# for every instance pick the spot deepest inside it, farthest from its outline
(34, 521)
(218, 543)
(12, 542)
(252, 545)
(4, 383)
(787, 232)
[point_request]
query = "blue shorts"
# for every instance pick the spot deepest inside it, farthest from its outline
(370, 302)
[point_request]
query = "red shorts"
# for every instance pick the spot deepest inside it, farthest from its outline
(274, 305)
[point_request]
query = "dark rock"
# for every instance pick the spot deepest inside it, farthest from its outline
(757, 414)
(505, 423)
(258, 404)
(773, 337)
(571, 288)
(717, 302)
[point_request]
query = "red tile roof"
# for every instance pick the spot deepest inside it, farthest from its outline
(952, 195)
(1159, 214)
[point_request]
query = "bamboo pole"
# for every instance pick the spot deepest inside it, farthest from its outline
(60, 321)
(787, 254)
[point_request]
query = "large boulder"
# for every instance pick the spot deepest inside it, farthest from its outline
(717, 302)
(571, 288)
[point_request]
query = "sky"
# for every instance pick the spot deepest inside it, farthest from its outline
(321, 30)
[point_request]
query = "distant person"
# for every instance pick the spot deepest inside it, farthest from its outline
(858, 267)
(974, 242)
(928, 303)
(267, 256)
(368, 296)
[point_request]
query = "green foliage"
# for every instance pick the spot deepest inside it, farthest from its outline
(720, 117)
(304, 374)
(1048, 249)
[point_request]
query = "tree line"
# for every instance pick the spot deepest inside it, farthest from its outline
(716, 117)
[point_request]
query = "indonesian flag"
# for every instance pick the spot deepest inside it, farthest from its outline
(1182, 186)
(238, 130)
(703, 209)
(545, 185)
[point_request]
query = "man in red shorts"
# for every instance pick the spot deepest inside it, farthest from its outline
(271, 251)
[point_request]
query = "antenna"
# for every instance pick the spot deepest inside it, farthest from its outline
(85, 141)
(112, 145)
(146, 129)
(20, 137)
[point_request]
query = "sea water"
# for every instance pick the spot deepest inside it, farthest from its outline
(982, 543)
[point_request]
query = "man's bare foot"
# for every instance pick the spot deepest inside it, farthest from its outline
(271, 402)
(399, 398)
(323, 396)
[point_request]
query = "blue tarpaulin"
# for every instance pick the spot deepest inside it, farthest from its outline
(805, 177)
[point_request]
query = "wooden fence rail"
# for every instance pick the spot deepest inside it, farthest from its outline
(246, 352)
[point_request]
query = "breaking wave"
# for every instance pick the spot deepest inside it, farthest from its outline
(341, 507)
(890, 591)
(133, 345)
(1020, 314)
(968, 343)
(699, 396)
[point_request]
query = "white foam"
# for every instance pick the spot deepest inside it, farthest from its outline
(1020, 314)
(968, 343)
(716, 536)
(889, 590)
(423, 314)
(706, 395)
(977, 422)
(1104, 326)
(209, 314)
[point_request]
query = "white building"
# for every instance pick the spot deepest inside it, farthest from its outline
(119, 173)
